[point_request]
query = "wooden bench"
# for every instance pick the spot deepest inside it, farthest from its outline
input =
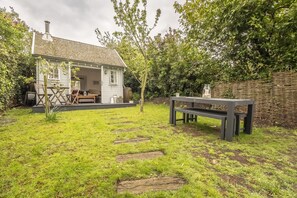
(217, 115)
(192, 113)
(238, 117)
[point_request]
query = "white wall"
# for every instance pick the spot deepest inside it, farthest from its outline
(108, 90)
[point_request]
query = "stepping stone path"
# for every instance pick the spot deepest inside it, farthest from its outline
(126, 130)
(5, 121)
(121, 123)
(134, 140)
(143, 185)
(147, 155)
(151, 184)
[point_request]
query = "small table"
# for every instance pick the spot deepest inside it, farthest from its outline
(230, 103)
(58, 93)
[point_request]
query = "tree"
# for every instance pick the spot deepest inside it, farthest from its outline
(178, 65)
(136, 32)
(16, 61)
(251, 37)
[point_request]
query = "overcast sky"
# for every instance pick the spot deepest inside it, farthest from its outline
(77, 19)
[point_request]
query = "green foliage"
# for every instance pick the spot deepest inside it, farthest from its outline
(228, 93)
(176, 65)
(251, 39)
(222, 40)
(136, 96)
(179, 66)
(16, 62)
(132, 17)
(127, 52)
(76, 157)
(52, 115)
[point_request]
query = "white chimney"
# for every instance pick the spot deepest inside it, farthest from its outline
(47, 36)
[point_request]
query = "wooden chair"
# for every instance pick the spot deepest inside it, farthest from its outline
(40, 97)
(74, 96)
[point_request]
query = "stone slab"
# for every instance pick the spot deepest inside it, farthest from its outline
(151, 184)
(133, 140)
(126, 130)
(143, 156)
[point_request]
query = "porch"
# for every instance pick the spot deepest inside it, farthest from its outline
(84, 106)
(91, 84)
(88, 82)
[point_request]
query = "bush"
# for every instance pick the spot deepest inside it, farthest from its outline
(136, 97)
(14, 55)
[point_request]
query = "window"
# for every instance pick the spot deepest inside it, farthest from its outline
(113, 77)
(54, 74)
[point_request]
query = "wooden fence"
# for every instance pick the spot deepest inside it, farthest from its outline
(276, 100)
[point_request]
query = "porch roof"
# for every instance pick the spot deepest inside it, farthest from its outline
(64, 49)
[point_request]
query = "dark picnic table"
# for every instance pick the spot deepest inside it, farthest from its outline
(230, 103)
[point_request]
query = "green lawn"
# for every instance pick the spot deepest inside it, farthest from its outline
(76, 157)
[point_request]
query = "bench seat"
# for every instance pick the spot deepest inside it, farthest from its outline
(217, 115)
(238, 117)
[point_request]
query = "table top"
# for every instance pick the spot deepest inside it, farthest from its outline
(213, 100)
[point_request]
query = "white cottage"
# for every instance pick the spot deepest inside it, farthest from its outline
(101, 69)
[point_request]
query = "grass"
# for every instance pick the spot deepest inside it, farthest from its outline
(75, 157)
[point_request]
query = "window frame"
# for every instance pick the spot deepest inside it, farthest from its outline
(52, 74)
(113, 73)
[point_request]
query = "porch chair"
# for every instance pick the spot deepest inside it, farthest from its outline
(40, 97)
(74, 96)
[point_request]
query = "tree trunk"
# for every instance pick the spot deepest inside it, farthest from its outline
(142, 98)
(143, 86)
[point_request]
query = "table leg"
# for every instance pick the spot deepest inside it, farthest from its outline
(59, 96)
(40, 99)
(53, 97)
(171, 116)
(174, 118)
(192, 116)
(249, 119)
(68, 99)
(230, 122)
(64, 98)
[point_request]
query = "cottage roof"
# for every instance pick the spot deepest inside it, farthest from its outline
(75, 51)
